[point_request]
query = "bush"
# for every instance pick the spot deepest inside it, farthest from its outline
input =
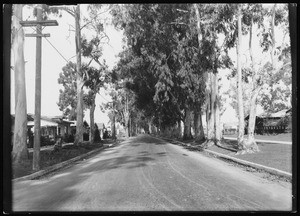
(68, 138)
(105, 135)
(45, 140)
(97, 137)
(85, 137)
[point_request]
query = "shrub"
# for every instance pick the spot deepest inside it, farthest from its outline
(45, 140)
(97, 137)
(68, 138)
(85, 137)
(105, 135)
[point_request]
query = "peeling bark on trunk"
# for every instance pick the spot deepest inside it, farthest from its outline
(252, 146)
(216, 102)
(239, 84)
(79, 80)
(92, 123)
(19, 152)
(187, 125)
(209, 109)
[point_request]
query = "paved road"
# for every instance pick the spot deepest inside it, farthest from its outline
(145, 173)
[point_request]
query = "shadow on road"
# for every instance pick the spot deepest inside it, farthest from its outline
(67, 183)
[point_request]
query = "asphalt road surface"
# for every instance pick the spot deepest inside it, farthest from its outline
(148, 174)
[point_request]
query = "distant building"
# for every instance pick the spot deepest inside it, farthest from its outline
(270, 122)
(53, 126)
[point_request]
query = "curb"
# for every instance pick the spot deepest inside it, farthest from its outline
(251, 164)
(243, 162)
(59, 165)
(264, 141)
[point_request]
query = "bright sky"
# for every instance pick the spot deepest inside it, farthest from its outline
(64, 41)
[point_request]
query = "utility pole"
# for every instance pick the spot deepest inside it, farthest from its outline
(37, 111)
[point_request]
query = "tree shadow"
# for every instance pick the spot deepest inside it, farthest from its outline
(59, 191)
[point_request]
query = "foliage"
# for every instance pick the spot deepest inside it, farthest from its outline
(68, 138)
(68, 95)
(97, 137)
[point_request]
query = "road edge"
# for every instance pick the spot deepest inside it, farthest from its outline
(60, 165)
(267, 169)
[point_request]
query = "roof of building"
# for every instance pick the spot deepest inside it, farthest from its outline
(276, 115)
(47, 120)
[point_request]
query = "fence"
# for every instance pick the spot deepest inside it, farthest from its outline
(270, 129)
(259, 130)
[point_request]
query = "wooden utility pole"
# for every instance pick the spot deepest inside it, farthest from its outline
(37, 112)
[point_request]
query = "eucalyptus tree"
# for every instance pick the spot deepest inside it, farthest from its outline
(68, 95)
(252, 14)
(214, 22)
(155, 37)
(75, 12)
(93, 81)
(277, 95)
(19, 152)
(240, 137)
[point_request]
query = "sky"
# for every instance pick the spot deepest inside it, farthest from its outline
(52, 62)
(63, 39)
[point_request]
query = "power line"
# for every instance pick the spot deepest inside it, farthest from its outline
(46, 39)
(54, 47)
(57, 50)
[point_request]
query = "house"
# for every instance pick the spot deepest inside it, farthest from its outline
(269, 122)
(53, 126)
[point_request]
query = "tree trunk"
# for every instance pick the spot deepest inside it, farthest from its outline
(187, 125)
(19, 153)
(210, 111)
(126, 115)
(136, 129)
(239, 84)
(273, 55)
(252, 146)
(92, 123)
(179, 129)
(79, 80)
(130, 127)
(216, 102)
(199, 133)
(273, 45)
(113, 123)
(150, 127)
